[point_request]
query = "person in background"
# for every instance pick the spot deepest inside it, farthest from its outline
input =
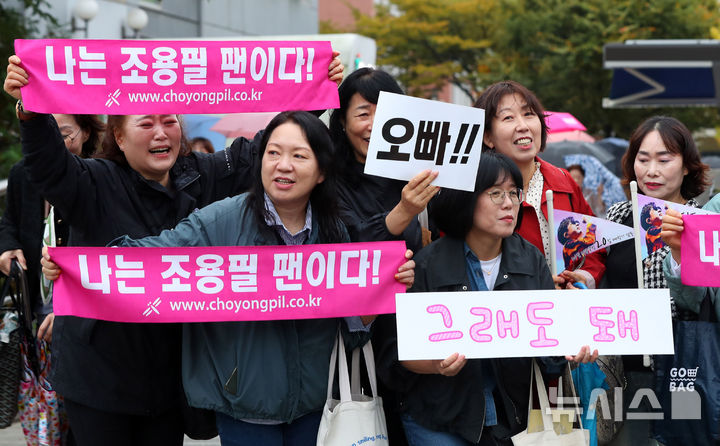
(601, 187)
(592, 196)
(458, 401)
(202, 145)
(21, 226)
(515, 126)
(577, 173)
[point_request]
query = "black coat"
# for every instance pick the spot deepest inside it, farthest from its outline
(22, 225)
(365, 201)
(121, 367)
(457, 404)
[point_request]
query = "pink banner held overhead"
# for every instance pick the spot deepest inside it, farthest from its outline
(700, 255)
(211, 284)
(119, 77)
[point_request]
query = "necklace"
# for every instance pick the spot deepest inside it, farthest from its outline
(489, 271)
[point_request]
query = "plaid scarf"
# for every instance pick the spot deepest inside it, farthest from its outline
(653, 275)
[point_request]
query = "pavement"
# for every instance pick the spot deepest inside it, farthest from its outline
(13, 436)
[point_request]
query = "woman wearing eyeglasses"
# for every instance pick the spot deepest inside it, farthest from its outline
(21, 227)
(456, 401)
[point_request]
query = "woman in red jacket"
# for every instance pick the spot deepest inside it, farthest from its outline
(515, 126)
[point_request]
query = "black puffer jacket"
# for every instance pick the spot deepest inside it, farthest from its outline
(365, 201)
(128, 368)
(457, 404)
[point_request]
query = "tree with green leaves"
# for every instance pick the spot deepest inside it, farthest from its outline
(557, 50)
(552, 46)
(431, 42)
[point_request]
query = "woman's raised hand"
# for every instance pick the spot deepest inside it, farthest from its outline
(406, 272)
(336, 69)
(418, 192)
(16, 77)
(415, 196)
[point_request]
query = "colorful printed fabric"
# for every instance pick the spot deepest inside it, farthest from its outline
(41, 413)
(572, 248)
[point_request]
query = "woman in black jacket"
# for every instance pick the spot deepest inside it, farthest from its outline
(456, 401)
(121, 381)
(373, 208)
(23, 223)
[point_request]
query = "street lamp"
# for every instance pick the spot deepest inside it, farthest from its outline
(84, 10)
(136, 19)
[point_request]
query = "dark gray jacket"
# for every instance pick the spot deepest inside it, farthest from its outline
(457, 404)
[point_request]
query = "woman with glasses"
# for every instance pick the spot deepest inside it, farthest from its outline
(515, 126)
(21, 227)
(456, 401)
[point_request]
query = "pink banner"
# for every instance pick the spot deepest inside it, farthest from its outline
(119, 77)
(700, 255)
(211, 284)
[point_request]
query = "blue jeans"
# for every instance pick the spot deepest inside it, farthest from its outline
(300, 432)
(418, 435)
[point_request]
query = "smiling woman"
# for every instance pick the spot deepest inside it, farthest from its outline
(149, 144)
(456, 401)
(266, 380)
(663, 159)
(374, 208)
(515, 126)
(290, 172)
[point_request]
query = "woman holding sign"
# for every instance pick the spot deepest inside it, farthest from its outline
(459, 401)
(666, 164)
(515, 126)
(122, 382)
(374, 208)
(267, 380)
